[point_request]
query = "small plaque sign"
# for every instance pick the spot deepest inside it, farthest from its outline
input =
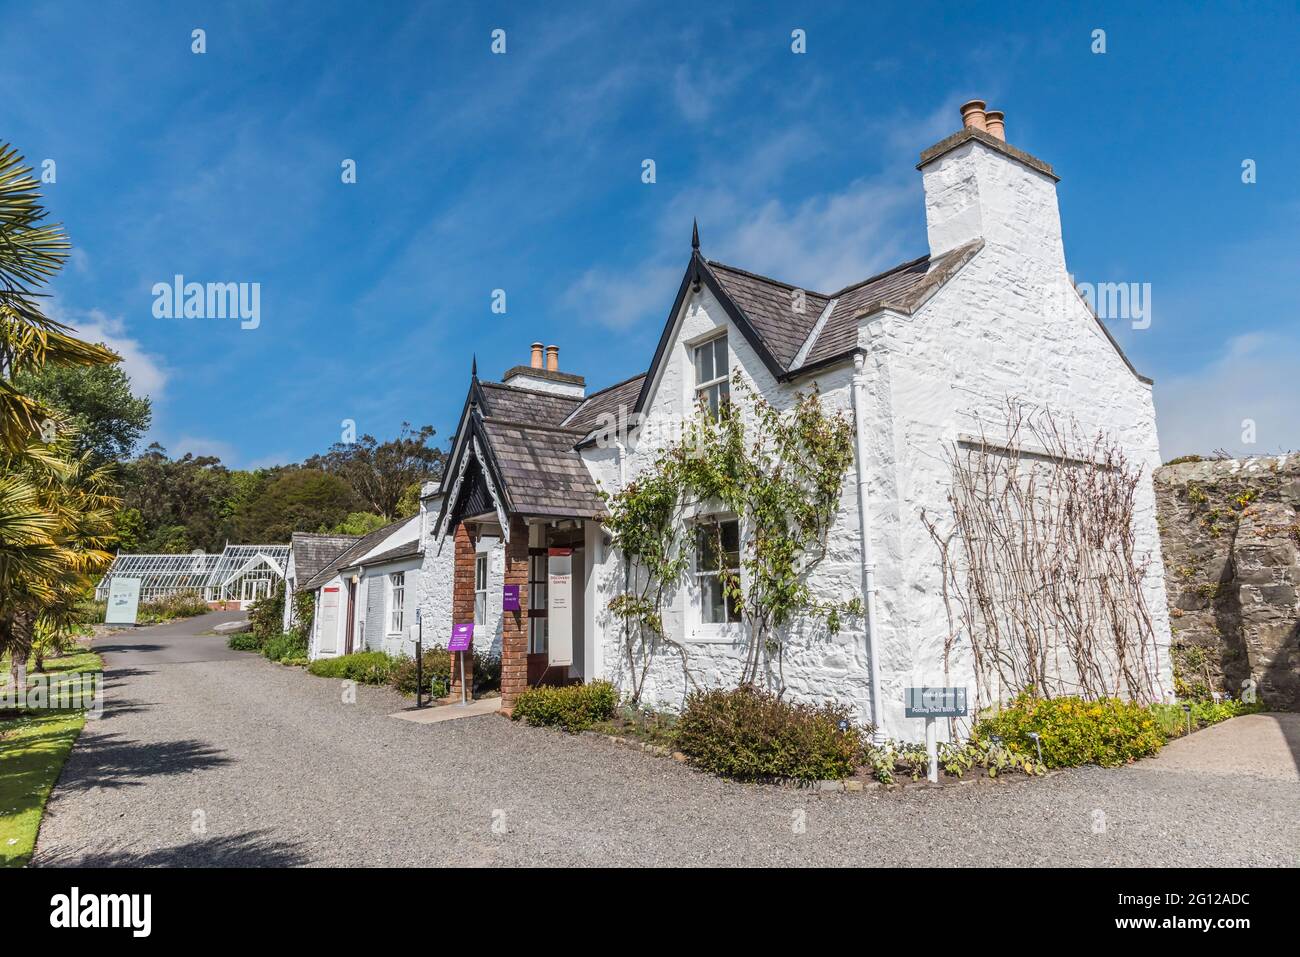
(935, 703)
(461, 637)
(510, 598)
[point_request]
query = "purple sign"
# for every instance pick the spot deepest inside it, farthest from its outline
(461, 636)
(510, 598)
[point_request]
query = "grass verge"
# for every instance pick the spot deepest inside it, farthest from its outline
(33, 747)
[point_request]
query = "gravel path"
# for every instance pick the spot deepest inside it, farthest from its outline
(204, 757)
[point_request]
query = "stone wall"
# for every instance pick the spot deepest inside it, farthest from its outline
(1231, 540)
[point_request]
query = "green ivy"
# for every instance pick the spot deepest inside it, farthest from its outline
(781, 473)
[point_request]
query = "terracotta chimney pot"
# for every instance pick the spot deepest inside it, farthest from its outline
(536, 362)
(552, 358)
(995, 122)
(972, 115)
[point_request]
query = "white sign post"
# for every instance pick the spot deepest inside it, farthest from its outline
(930, 704)
(559, 608)
(123, 601)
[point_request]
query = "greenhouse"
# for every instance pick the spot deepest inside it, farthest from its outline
(241, 573)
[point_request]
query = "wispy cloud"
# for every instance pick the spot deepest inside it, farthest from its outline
(1251, 383)
(147, 371)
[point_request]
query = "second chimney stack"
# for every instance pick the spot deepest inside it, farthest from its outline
(995, 122)
(552, 358)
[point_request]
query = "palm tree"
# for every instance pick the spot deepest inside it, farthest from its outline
(53, 529)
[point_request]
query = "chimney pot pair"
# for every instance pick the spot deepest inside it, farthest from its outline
(552, 357)
(975, 116)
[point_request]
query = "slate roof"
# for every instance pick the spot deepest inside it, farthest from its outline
(607, 401)
(350, 554)
(404, 550)
(311, 552)
(770, 305)
(542, 473)
(501, 401)
(772, 308)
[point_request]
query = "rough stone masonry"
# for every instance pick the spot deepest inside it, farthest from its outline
(1230, 535)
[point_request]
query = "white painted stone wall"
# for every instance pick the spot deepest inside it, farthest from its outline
(1008, 324)
(819, 667)
(434, 581)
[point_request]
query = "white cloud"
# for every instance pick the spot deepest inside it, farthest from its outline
(1254, 379)
(147, 372)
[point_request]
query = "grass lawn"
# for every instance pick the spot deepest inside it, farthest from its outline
(33, 747)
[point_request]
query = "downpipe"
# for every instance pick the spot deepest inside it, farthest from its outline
(864, 531)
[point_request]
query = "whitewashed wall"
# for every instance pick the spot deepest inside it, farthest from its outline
(1008, 324)
(435, 576)
(819, 667)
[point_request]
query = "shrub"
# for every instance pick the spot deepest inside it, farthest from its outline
(244, 641)
(367, 667)
(267, 614)
(750, 734)
(184, 604)
(290, 644)
(437, 672)
(1072, 731)
(573, 707)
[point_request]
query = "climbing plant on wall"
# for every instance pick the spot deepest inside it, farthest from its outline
(781, 475)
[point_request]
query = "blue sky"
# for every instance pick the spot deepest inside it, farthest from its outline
(522, 172)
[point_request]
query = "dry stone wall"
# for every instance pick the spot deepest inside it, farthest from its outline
(1230, 534)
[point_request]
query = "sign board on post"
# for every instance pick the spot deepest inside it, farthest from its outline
(935, 703)
(123, 601)
(559, 607)
(510, 598)
(932, 703)
(462, 636)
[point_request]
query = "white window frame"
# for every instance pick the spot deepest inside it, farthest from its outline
(719, 384)
(701, 630)
(481, 572)
(396, 609)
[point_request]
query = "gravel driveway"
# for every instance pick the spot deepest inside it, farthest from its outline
(204, 756)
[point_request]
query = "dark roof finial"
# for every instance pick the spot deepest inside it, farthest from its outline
(695, 234)
(473, 366)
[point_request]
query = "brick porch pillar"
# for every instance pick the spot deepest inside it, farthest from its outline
(514, 624)
(462, 607)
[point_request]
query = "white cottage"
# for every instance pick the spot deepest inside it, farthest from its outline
(921, 357)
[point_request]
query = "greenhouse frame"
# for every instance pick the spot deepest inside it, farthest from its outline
(239, 573)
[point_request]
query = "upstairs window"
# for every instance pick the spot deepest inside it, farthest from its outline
(396, 602)
(711, 374)
(711, 562)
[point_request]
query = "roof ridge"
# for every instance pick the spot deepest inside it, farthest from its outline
(713, 263)
(881, 275)
(631, 378)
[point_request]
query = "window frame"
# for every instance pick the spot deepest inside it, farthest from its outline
(396, 610)
(718, 385)
(714, 631)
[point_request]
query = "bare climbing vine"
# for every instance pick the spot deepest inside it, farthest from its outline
(1043, 580)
